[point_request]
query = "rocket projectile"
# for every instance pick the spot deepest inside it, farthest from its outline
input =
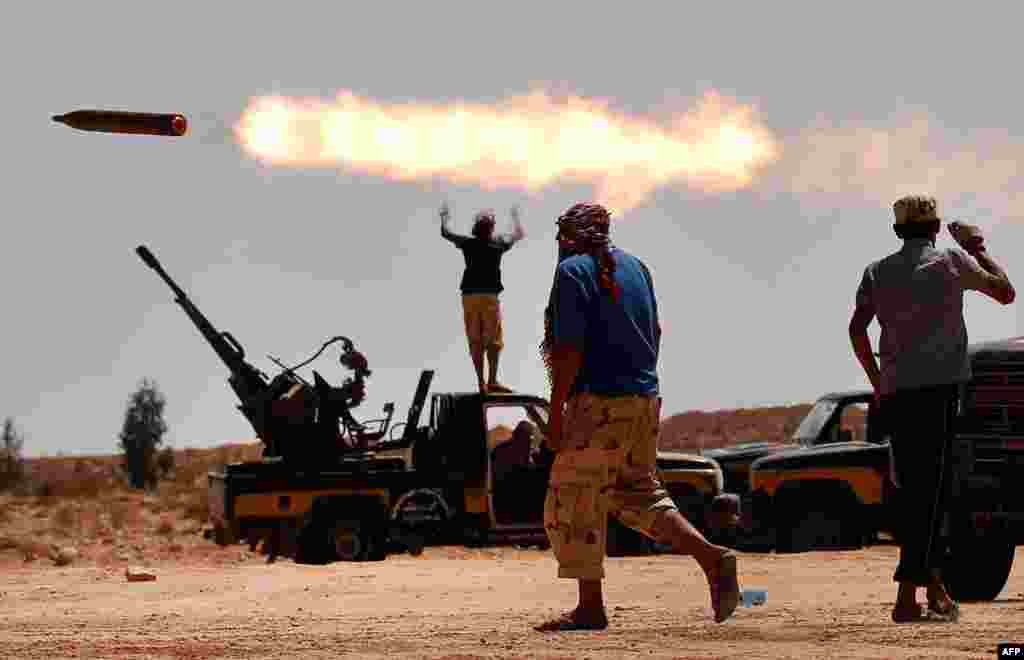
(116, 121)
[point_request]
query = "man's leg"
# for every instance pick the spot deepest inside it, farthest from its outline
(717, 562)
(476, 351)
(898, 410)
(474, 335)
(493, 332)
(918, 448)
(685, 539)
(938, 598)
(591, 603)
(493, 354)
(576, 523)
(578, 542)
(642, 503)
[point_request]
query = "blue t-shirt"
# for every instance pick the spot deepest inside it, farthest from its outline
(619, 340)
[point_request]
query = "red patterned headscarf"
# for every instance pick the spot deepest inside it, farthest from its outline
(583, 229)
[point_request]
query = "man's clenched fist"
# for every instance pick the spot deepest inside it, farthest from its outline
(969, 237)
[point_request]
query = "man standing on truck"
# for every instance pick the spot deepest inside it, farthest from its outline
(481, 285)
(601, 347)
(917, 295)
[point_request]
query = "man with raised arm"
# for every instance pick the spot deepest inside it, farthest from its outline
(481, 286)
(917, 294)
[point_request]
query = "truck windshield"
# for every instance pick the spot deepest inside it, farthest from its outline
(810, 427)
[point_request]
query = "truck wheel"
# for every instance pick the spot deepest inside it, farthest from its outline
(348, 542)
(833, 524)
(311, 545)
(423, 519)
(625, 542)
(978, 563)
(356, 541)
(475, 530)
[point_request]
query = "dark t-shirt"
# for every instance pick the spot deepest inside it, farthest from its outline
(483, 262)
(619, 340)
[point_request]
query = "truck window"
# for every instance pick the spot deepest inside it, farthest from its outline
(516, 431)
(853, 419)
(811, 426)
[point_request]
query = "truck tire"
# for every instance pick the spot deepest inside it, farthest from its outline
(311, 545)
(626, 542)
(425, 514)
(474, 530)
(826, 520)
(977, 563)
(355, 541)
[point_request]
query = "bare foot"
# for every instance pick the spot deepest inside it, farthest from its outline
(578, 619)
(724, 584)
(940, 602)
(914, 613)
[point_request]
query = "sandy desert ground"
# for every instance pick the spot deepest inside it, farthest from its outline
(64, 593)
(457, 604)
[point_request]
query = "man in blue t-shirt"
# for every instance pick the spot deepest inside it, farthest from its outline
(601, 346)
(481, 284)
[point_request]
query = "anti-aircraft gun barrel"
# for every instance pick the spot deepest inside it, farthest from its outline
(296, 420)
(246, 380)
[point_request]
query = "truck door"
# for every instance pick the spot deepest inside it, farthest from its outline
(517, 481)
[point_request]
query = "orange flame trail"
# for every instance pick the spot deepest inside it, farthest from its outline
(530, 141)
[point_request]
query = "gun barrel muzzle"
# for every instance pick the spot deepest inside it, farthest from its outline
(147, 257)
(117, 121)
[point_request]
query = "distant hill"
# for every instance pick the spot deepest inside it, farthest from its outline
(498, 435)
(695, 430)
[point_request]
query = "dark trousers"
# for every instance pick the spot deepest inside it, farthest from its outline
(920, 423)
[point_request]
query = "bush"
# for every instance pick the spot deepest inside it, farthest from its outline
(142, 434)
(12, 464)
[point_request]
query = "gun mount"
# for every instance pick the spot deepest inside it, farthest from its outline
(297, 421)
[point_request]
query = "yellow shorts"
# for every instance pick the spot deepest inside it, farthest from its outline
(609, 466)
(482, 314)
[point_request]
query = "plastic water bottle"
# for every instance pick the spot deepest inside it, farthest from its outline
(753, 597)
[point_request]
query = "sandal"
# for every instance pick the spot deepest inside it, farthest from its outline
(568, 622)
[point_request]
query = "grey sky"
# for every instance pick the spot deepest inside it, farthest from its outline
(755, 287)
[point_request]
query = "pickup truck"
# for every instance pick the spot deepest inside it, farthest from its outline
(442, 482)
(834, 419)
(842, 494)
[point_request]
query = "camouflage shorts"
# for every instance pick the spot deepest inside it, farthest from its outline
(608, 466)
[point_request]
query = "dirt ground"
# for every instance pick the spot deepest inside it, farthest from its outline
(455, 603)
